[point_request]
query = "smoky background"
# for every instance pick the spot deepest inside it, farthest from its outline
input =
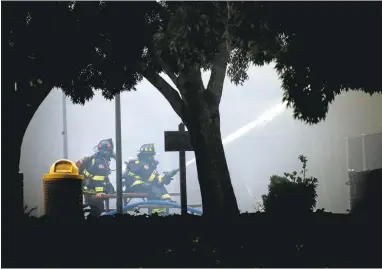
(267, 149)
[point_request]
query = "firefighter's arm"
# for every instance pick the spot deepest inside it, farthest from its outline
(93, 167)
(125, 173)
(159, 179)
(152, 178)
(97, 168)
(134, 170)
(89, 170)
(109, 188)
(135, 166)
(167, 177)
(125, 179)
(164, 179)
(87, 187)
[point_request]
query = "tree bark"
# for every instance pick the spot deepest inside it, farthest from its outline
(20, 122)
(25, 102)
(217, 193)
(17, 181)
(199, 110)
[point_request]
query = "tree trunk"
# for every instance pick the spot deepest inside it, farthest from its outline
(23, 109)
(217, 193)
(20, 122)
(14, 194)
(198, 108)
(16, 180)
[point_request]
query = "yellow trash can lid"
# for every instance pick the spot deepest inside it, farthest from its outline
(63, 169)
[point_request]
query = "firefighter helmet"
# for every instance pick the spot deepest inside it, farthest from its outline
(147, 149)
(106, 146)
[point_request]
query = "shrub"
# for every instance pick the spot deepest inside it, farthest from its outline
(258, 206)
(291, 192)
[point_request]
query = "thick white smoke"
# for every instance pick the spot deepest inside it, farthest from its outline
(263, 119)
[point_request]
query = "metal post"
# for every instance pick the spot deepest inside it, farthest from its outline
(118, 152)
(347, 153)
(348, 181)
(363, 153)
(182, 176)
(64, 127)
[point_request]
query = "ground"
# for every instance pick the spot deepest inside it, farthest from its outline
(254, 240)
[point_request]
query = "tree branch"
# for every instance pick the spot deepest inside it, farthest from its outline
(219, 65)
(167, 91)
(218, 73)
(168, 72)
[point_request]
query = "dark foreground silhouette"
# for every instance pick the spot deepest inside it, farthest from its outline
(254, 240)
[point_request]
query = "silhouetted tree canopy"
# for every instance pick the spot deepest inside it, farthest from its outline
(57, 42)
(331, 47)
(326, 47)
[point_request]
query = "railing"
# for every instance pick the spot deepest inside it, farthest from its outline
(127, 197)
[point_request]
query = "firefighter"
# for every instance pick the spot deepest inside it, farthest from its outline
(141, 176)
(96, 169)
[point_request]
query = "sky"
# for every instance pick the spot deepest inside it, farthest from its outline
(259, 142)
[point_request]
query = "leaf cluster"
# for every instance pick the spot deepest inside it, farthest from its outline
(329, 48)
(78, 46)
(193, 33)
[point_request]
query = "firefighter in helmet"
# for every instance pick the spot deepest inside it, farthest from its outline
(141, 176)
(96, 169)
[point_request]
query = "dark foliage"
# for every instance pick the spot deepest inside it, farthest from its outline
(58, 43)
(320, 240)
(291, 192)
(320, 48)
(330, 47)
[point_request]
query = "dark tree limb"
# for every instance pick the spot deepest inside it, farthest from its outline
(168, 71)
(190, 85)
(25, 102)
(167, 91)
(218, 73)
(219, 65)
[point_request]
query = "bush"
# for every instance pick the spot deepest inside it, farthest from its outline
(291, 193)
(258, 206)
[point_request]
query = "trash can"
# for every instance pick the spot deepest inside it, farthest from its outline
(63, 191)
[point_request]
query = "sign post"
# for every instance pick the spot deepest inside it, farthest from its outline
(363, 153)
(64, 127)
(118, 153)
(180, 141)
